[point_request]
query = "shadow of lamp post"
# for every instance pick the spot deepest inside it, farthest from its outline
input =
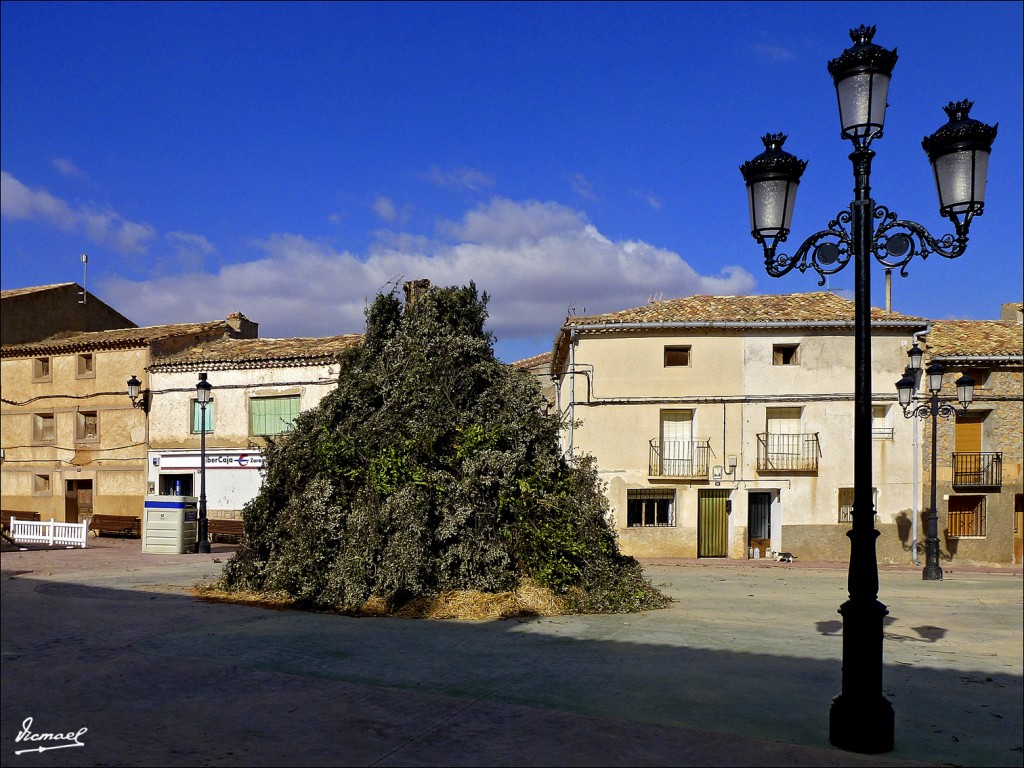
(933, 407)
(861, 718)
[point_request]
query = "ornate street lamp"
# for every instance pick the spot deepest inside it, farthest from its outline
(203, 389)
(861, 718)
(934, 407)
(135, 394)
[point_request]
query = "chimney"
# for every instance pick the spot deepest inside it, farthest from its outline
(242, 327)
(414, 289)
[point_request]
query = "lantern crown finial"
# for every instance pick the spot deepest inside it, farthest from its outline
(863, 56)
(862, 35)
(958, 110)
(961, 131)
(774, 160)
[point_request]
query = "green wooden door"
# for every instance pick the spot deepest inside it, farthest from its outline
(713, 524)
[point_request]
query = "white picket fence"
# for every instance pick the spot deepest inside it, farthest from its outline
(52, 533)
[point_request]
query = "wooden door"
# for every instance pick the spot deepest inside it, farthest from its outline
(713, 524)
(77, 500)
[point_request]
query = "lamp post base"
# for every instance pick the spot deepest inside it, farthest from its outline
(932, 573)
(861, 726)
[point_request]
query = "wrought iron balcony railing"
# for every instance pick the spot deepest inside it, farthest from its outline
(974, 470)
(788, 453)
(676, 458)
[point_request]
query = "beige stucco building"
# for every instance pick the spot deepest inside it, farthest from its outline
(73, 444)
(259, 387)
(724, 425)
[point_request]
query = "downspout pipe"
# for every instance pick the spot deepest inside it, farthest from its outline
(572, 388)
(917, 460)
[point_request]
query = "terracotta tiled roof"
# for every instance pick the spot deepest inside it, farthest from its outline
(797, 310)
(975, 338)
(793, 307)
(536, 361)
(229, 353)
(12, 292)
(120, 338)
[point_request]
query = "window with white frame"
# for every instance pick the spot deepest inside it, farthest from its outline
(272, 415)
(650, 507)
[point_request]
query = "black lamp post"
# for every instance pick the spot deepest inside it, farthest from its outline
(135, 394)
(861, 718)
(934, 407)
(203, 389)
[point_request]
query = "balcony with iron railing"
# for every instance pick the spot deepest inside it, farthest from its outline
(978, 470)
(676, 458)
(788, 453)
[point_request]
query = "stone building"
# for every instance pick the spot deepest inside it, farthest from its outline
(979, 460)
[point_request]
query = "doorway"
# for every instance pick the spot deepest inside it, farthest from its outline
(759, 523)
(713, 508)
(77, 500)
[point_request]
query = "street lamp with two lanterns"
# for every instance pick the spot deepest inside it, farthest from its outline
(933, 407)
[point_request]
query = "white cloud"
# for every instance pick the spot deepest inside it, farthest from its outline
(459, 178)
(190, 249)
(384, 208)
(533, 258)
(68, 168)
(104, 227)
(767, 52)
(582, 187)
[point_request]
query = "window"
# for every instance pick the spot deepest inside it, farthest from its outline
(846, 504)
(41, 369)
(785, 354)
(966, 516)
(881, 422)
(272, 415)
(44, 428)
(677, 357)
(980, 376)
(196, 418)
(87, 426)
(40, 484)
(650, 508)
(85, 366)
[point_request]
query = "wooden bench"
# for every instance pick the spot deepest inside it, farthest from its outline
(224, 529)
(117, 525)
(8, 514)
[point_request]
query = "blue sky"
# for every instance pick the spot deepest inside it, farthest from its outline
(290, 160)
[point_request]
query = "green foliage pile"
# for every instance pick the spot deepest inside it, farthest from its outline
(432, 467)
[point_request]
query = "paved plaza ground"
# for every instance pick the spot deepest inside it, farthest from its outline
(740, 670)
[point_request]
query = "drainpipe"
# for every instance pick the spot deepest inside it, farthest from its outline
(917, 448)
(572, 387)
